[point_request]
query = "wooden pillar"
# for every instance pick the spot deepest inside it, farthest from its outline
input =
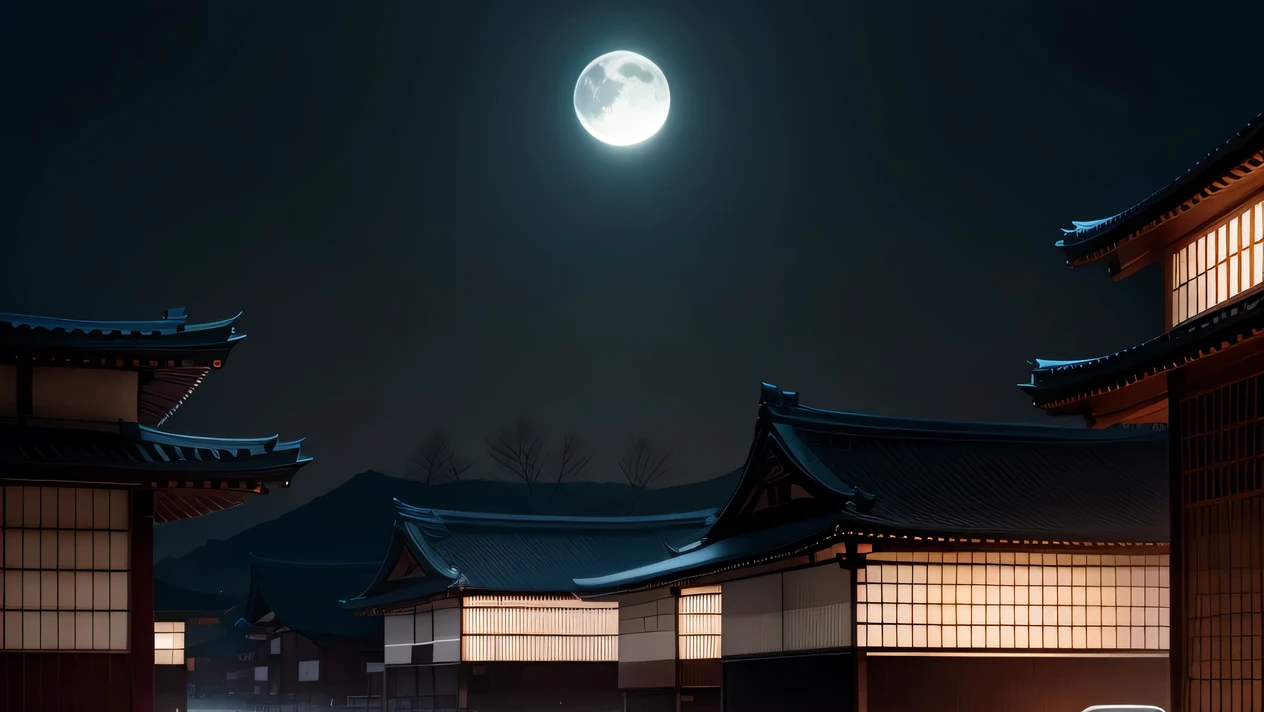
(1178, 670)
(141, 640)
(855, 562)
(862, 681)
(463, 672)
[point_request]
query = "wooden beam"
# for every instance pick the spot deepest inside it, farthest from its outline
(141, 612)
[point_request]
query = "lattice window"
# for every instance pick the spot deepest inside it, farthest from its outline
(1221, 436)
(698, 623)
(527, 628)
(1217, 266)
(168, 643)
(1223, 544)
(1012, 600)
(65, 560)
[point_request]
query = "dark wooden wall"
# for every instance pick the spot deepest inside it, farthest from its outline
(535, 687)
(961, 684)
(65, 682)
(820, 683)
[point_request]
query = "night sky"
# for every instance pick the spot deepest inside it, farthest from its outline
(858, 201)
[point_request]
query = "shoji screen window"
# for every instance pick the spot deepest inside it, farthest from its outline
(64, 557)
(699, 614)
(1219, 265)
(544, 629)
(995, 600)
(168, 643)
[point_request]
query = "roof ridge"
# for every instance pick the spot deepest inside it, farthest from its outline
(888, 426)
(174, 321)
(458, 517)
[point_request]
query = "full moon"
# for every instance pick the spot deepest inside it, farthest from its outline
(622, 98)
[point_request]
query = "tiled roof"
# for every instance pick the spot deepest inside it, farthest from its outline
(865, 476)
(307, 598)
(942, 478)
(932, 479)
(174, 354)
(524, 553)
(192, 476)
(741, 548)
(171, 335)
(1090, 240)
(136, 448)
(1058, 383)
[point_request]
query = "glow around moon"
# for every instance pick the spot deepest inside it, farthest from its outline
(622, 98)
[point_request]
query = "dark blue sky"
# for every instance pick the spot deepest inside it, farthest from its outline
(855, 200)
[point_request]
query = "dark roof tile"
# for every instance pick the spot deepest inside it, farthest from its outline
(997, 480)
(525, 553)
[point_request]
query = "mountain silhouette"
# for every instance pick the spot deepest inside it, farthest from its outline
(354, 521)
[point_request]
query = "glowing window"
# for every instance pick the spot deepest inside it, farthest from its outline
(168, 643)
(525, 628)
(999, 601)
(64, 557)
(698, 623)
(1218, 265)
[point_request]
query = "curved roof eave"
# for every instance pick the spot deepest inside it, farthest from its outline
(1090, 240)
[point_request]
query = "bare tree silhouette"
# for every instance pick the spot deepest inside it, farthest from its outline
(640, 465)
(519, 452)
(572, 460)
(436, 461)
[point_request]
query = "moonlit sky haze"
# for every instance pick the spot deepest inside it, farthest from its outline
(856, 200)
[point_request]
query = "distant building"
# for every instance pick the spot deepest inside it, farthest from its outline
(481, 612)
(1002, 566)
(320, 655)
(182, 619)
(224, 661)
(1203, 375)
(85, 474)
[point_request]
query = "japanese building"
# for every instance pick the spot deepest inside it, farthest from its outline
(481, 612)
(1203, 375)
(855, 553)
(85, 474)
(319, 654)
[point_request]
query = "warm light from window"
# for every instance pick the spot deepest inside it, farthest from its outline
(1219, 265)
(1003, 601)
(698, 623)
(64, 556)
(168, 643)
(546, 629)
